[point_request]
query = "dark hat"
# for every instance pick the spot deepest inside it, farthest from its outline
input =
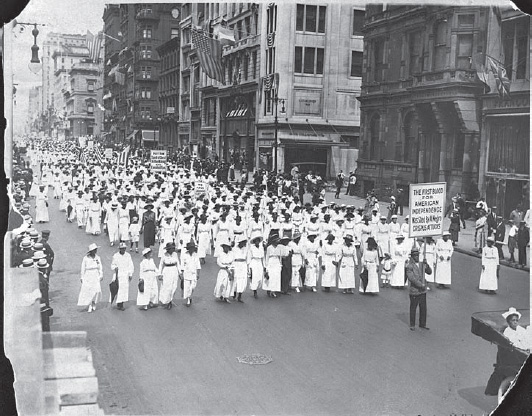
(45, 232)
(225, 245)
(190, 245)
(169, 246)
(414, 250)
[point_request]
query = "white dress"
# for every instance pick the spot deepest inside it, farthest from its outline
(91, 275)
(346, 274)
(124, 264)
(297, 262)
(148, 273)
(274, 266)
(256, 265)
(312, 254)
(123, 224)
(488, 276)
(443, 267)
(204, 239)
(223, 283)
(430, 256)
(370, 260)
(41, 209)
(400, 255)
(190, 265)
(93, 220)
(169, 269)
(330, 253)
(240, 266)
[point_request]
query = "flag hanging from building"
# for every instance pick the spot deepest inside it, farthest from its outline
(94, 44)
(210, 55)
(123, 159)
(501, 79)
(225, 36)
(268, 83)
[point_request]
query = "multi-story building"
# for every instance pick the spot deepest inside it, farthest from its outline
(143, 27)
(504, 165)
(169, 92)
(34, 107)
(425, 114)
(82, 97)
(316, 51)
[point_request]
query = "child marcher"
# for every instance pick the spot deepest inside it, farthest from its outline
(386, 270)
(134, 234)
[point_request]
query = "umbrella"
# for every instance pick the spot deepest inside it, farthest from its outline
(364, 278)
(113, 288)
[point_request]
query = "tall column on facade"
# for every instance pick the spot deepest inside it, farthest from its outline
(444, 145)
(470, 161)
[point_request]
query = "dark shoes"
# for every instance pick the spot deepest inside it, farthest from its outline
(424, 327)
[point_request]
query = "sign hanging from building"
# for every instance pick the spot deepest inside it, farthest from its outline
(427, 209)
(158, 159)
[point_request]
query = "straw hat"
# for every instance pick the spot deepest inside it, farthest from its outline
(510, 312)
(146, 251)
(92, 247)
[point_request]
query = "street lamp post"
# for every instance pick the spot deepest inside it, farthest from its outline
(276, 100)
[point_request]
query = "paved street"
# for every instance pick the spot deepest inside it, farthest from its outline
(332, 353)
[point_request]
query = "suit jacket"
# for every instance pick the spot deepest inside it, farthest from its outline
(492, 221)
(500, 233)
(418, 285)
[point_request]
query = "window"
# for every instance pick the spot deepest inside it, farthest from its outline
(356, 64)
(310, 18)
(145, 72)
(174, 33)
(358, 22)
(515, 45)
(146, 32)
(466, 20)
(440, 45)
(309, 62)
(464, 51)
(90, 108)
(254, 67)
(414, 51)
(351, 140)
(90, 86)
(378, 56)
(246, 67)
(145, 93)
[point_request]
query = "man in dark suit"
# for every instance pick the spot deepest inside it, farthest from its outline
(491, 220)
(418, 289)
(50, 255)
(500, 233)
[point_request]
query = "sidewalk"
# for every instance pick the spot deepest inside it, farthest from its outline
(466, 239)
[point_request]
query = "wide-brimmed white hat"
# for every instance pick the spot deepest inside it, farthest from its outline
(446, 233)
(146, 251)
(511, 311)
(93, 246)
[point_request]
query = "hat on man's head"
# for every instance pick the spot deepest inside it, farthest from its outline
(122, 245)
(42, 264)
(414, 250)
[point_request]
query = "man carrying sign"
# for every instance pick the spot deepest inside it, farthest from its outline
(418, 289)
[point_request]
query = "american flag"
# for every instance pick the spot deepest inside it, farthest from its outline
(123, 159)
(501, 78)
(210, 55)
(94, 44)
(82, 157)
(98, 155)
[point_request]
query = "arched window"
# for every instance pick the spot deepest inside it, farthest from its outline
(374, 129)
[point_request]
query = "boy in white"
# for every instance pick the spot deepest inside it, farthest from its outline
(190, 270)
(134, 234)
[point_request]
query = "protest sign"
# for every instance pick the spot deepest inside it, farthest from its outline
(158, 160)
(427, 209)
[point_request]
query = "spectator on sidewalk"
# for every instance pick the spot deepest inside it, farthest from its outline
(482, 207)
(339, 182)
(517, 215)
(523, 238)
(454, 228)
(512, 240)
(400, 200)
(491, 220)
(500, 233)
(351, 185)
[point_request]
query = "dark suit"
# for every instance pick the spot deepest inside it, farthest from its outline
(491, 220)
(418, 292)
(500, 233)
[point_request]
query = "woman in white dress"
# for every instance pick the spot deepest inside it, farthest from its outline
(444, 251)
(91, 276)
(330, 254)
(490, 267)
(399, 258)
(63, 203)
(312, 255)
(149, 298)
(169, 273)
(348, 262)
(274, 254)
(94, 216)
(298, 259)
(203, 237)
(57, 186)
(256, 264)
(225, 274)
(370, 261)
(41, 206)
(166, 234)
(123, 222)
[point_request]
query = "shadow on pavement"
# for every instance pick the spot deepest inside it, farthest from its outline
(476, 397)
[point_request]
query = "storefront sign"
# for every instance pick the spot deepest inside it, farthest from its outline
(427, 209)
(108, 153)
(158, 160)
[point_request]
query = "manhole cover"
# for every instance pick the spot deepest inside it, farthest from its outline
(255, 359)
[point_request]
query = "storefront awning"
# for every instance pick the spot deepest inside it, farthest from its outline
(131, 135)
(148, 135)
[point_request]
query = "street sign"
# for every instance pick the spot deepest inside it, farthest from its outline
(427, 209)
(108, 153)
(158, 160)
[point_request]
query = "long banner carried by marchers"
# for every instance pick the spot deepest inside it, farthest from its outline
(427, 209)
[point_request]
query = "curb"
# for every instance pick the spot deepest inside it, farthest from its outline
(473, 253)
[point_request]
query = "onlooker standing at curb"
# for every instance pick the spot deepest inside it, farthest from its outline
(339, 182)
(491, 220)
(400, 201)
(523, 238)
(500, 233)
(512, 240)
(517, 215)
